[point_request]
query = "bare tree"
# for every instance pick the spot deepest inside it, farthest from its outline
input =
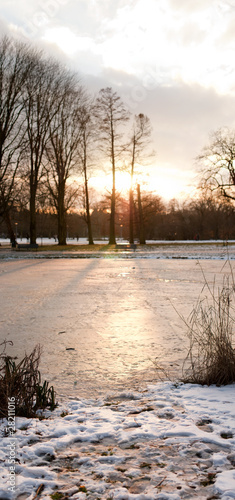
(218, 158)
(14, 67)
(43, 95)
(86, 150)
(140, 139)
(112, 116)
(62, 151)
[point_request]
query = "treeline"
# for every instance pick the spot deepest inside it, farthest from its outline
(54, 135)
(205, 218)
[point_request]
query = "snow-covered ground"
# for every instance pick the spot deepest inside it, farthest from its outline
(169, 442)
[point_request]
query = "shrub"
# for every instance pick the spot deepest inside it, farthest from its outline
(23, 382)
(211, 355)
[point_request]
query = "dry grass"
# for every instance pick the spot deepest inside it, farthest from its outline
(22, 381)
(211, 355)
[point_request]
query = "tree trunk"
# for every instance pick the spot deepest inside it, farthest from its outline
(62, 227)
(10, 230)
(32, 228)
(141, 221)
(112, 240)
(131, 228)
(88, 217)
(89, 228)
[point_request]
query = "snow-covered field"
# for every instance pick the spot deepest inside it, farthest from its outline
(118, 433)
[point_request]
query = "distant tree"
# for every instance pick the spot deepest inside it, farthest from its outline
(148, 207)
(15, 65)
(100, 222)
(111, 115)
(121, 212)
(211, 216)
(140, 138)
(122, 215)
(218, 163)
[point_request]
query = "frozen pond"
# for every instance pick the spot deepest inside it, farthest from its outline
(101, 322)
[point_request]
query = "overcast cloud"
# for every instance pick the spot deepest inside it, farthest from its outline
(170, 59)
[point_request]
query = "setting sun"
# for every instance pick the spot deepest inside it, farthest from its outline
(162, 180)
(104, 182)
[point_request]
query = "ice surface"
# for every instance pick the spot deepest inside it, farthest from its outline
(101, 322)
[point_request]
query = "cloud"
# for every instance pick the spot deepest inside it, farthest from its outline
(183, 116)
(190, 7)
(189, 34)
(4, 28)
(184, 40)
(228, 36)
(187, 7)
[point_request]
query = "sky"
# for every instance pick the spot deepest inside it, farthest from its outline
(172, 60)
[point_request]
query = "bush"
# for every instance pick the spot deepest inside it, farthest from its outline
(22, 381)
(211, 355)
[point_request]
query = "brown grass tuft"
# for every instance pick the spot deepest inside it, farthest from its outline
(22, 381)
(211, 355)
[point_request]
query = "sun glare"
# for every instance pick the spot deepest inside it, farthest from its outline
(164, 181)
(103, 182)
(169, 182)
